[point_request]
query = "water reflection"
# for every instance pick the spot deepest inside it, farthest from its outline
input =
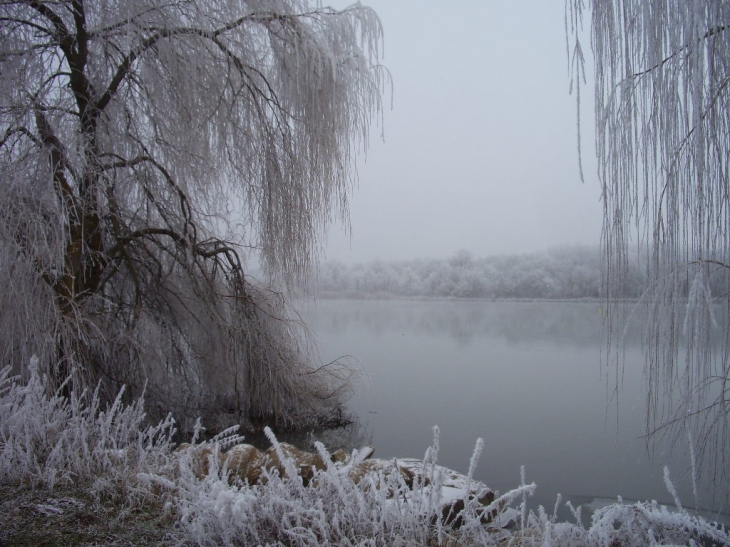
(464, 321)
(525, 376)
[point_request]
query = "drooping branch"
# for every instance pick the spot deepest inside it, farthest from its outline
(149, 148)
(63, 36)
(19, 130)
(663, 143)
(125, 66)
(675, 54)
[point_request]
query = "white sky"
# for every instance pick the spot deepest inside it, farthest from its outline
(480, 149)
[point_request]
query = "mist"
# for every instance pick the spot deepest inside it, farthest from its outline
(479, 150)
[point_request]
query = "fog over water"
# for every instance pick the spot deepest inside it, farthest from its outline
(527, 377)
(480, 148)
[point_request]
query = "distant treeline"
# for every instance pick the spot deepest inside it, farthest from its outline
(562, 273)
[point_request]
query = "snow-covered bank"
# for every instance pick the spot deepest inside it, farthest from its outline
(50, 442)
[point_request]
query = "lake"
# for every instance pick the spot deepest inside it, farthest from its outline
(527, 377)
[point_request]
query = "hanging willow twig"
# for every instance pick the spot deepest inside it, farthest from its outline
(135, 135)
(663, 142)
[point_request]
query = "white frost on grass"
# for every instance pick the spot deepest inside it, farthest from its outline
(47, 439)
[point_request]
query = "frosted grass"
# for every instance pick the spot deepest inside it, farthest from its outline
(47, 440)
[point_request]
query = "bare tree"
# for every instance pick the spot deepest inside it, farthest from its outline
(662, 98)
(149, 148)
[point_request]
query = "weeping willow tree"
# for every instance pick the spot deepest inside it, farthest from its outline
(662, 98)
(148, 151)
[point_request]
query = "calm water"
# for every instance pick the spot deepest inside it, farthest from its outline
(525, 377)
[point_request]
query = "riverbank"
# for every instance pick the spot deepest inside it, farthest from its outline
(362, 295)
(73, 473)
(68, 515)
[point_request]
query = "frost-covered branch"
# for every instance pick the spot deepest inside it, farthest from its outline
(149, 149)
(673, 56)
(663, 142)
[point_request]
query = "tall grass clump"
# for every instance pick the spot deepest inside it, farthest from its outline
(382, 508)
(49, 440)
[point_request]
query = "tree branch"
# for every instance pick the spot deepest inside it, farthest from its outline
(23, 131)
(58, 164)
(159, 33)
(82, 38)
(64, 37)
(711, 32)
(31, 24)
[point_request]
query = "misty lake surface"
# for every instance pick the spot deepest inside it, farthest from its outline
(526, 377)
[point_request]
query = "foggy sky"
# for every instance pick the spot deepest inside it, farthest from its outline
(480, 148)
